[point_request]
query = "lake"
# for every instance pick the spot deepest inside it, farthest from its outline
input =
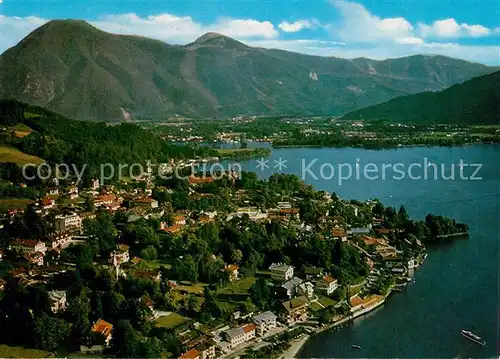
(457, 287)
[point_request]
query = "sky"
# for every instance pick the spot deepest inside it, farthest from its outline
(377, 29)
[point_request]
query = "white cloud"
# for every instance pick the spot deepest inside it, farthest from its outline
(13, 29)
(175, 29)
(296, 26)
(449, 28)
(360, 26)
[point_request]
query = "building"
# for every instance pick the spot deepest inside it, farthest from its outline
(233, 271)
(1, 255)
(306, 289)
(53, 191)
(281, 272)
(58, 301)
(191, 354)
(2, 284)
(327, 284)
(295, 310)
(35, 258)
(264, 322)
(94, 184)
(239, 335)
(313, 273)
(59, 239)
(47, 203)
(69, 222)
(146, 202)
(339, 233)
(105, 329)
(104, 200)
(120, 255)
(290, 287)
(28, 246)
(73, 192)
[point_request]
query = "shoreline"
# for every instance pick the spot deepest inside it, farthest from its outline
(347, 319)
(295, 347)
(386, 147)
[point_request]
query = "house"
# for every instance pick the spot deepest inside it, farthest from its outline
(174, 229)
(339, 233)
(152, 275)
(59, 240)
(2, 284)
(94, 184)
(1, 255)
(206, 349)
(53, 191)
(35, 258)
(191, 354)
(306, 289)
(281, 272)
(290, 287)
(103, 328)
(180, 220)
(264, 322)
(28, 246)
(200, 180)
(120, 255)
(233, 271)
(73, 192)
(104, 199)
(295, 310)
(356, 303)
(146, 202)
(57, 300)
(313, 273)
(69, 222)
(240, 335)
(327, 284)
(47, 203)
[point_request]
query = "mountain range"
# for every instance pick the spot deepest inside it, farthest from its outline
(476, 101)
(78, 70)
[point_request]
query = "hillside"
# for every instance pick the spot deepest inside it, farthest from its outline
(476, 101)
(72, 67)
(57, 139)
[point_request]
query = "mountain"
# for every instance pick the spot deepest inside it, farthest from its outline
(476, 101)
(74, 68)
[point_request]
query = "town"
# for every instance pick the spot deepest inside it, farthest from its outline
(198, 267)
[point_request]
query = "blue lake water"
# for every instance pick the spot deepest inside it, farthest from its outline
(456, 288)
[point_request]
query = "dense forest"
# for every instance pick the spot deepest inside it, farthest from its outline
(57, 139)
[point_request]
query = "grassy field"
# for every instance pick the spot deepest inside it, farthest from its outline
(18, 352)
(21, 130)
(6, 203)
(314, 306)
(13, 155)
(170, 321)
(325, 301)
(240, 287)
(30, 115)
(197, 288)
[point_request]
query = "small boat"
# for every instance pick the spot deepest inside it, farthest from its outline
(356, 346)
(473, 337)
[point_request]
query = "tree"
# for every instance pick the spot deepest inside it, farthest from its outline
(194, 303)
(49, 332)
(260, 292)
(125, 343)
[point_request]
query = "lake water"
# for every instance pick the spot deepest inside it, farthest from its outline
(456, 288)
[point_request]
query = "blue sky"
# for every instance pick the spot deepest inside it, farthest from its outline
(370, 28)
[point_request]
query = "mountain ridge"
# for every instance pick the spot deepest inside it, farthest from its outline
(74, 68)
(476, 101)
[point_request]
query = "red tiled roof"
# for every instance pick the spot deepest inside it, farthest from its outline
(26, 242)
(192, 354)
(329, 279)
(232, 267)
(249, 327)
(102, 327)
(355, 301)
(197, 180)
(339, 232)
